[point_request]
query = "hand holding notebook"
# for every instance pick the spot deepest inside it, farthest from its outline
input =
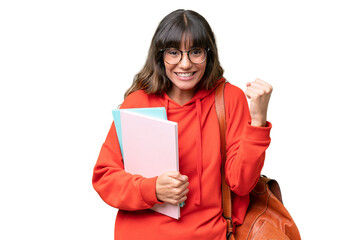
(172, 187)
(149, 147)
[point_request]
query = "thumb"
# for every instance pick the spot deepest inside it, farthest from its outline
(247, 94)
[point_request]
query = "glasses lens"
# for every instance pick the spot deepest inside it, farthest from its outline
(172, 56)
(197, 55)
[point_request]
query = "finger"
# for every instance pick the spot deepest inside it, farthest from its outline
(183, 199)
(171, 179)
(180, 177)
(173, 174)
(260, 85)
(180, 184)
(184, 186)
(173, 201)
(185, 178)
(263, 82)
(178, 193)
(250, 93)
(177, 176)
(178, 201)
(255, 85)
(181, 196)
(253, 92)
(181, 188)
(185, 192)
(260, 89)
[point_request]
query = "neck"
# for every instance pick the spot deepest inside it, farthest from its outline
(181, 97)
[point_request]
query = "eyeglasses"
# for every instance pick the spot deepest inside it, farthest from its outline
(174, 56)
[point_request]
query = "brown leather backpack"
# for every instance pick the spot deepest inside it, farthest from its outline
(266, 217)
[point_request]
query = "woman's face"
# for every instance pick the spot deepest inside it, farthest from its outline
(184, 75)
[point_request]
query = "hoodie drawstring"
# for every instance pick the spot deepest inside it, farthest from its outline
(198, 152)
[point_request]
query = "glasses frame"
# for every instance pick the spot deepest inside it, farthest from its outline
(187, 53)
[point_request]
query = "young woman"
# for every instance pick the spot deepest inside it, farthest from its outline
(181, 73)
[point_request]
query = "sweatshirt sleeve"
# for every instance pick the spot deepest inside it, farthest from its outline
(117, 187)
(246, 144)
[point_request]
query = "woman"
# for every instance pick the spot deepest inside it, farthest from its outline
(181, 73)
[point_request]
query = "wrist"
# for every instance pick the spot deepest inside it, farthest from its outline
(258, 122)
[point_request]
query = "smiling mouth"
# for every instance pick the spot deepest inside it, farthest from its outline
(188, 74)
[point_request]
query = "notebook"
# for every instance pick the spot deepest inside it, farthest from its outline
(150, 148)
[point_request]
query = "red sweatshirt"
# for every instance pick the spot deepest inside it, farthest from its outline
(199, 159)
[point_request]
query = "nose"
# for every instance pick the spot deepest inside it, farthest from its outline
(185, 62)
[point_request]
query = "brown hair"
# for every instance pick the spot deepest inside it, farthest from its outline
(152, 78)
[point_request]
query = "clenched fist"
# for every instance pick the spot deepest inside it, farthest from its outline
(171, 187)
(259, 93)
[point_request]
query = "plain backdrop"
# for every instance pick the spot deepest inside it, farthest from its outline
(64, 65)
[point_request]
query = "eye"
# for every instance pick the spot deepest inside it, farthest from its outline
(196, 51)
(173, 52)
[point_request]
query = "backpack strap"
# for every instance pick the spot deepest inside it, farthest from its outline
(226, 194)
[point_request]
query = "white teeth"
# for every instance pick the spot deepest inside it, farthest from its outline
(185, 74)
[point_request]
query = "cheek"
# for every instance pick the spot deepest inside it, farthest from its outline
(168, 70)
(202, 70)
